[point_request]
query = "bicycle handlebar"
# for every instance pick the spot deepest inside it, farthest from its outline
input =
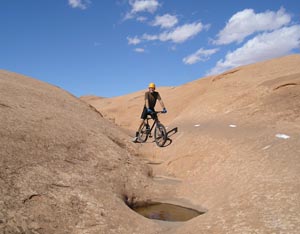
(156, 112)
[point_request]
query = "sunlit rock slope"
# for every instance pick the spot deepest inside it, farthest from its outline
(237, 149)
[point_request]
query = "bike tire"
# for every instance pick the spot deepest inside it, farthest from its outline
(160, 135)
(143, 133)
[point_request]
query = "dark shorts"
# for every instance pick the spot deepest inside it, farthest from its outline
(145, 114)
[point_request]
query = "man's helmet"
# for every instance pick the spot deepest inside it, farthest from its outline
(151, 85)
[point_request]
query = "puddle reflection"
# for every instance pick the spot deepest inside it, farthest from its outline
(167, 212)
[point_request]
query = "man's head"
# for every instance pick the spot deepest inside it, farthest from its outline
(151, 87)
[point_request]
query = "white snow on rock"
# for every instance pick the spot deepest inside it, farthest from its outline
(267, 147)
(282, 136)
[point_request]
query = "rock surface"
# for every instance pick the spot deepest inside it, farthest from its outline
(237, 148)
(63, 168)
(68, 165)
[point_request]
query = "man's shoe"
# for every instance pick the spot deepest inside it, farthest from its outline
(135, 139)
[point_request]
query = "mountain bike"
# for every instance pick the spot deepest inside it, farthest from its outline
(160, 133)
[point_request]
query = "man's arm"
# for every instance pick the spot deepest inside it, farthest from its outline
(146, 100)
(161, 102)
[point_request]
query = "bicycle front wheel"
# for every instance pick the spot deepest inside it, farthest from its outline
(160, 134)
(143, 133)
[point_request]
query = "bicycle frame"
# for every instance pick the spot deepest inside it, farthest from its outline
(146, 121)
(160, 134)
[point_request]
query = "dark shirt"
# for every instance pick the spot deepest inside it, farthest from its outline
(152, 98)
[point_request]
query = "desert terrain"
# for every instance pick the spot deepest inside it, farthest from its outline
(67, 164)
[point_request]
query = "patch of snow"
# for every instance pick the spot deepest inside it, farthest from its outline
(197, 125)
(232, 125)
(282, 136)
(267, 147)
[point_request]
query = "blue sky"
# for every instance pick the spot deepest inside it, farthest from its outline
(116, 47)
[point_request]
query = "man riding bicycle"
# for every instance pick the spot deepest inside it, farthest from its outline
(151, 96)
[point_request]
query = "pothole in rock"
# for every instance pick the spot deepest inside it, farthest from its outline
(164, 211)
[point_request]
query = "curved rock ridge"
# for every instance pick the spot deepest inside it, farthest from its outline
(68, 165)
(64, 168)
(236, 151)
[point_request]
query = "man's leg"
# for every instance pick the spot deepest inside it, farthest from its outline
(143, 117)
(135, 139)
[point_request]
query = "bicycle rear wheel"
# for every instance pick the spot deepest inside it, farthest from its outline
(160, 134)
(143, 133)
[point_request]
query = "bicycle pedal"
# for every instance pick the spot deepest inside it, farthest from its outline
(150, 136)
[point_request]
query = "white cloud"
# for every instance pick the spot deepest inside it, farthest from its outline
(82, 4)
(138, 6)
(199, 55)
(181, 33)
(133, 40)
(141, 19)
(178, 35)
(247, 22)
(148, 37)
(139, 50)
(262, 47)
(144, 5)
(165, 21)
